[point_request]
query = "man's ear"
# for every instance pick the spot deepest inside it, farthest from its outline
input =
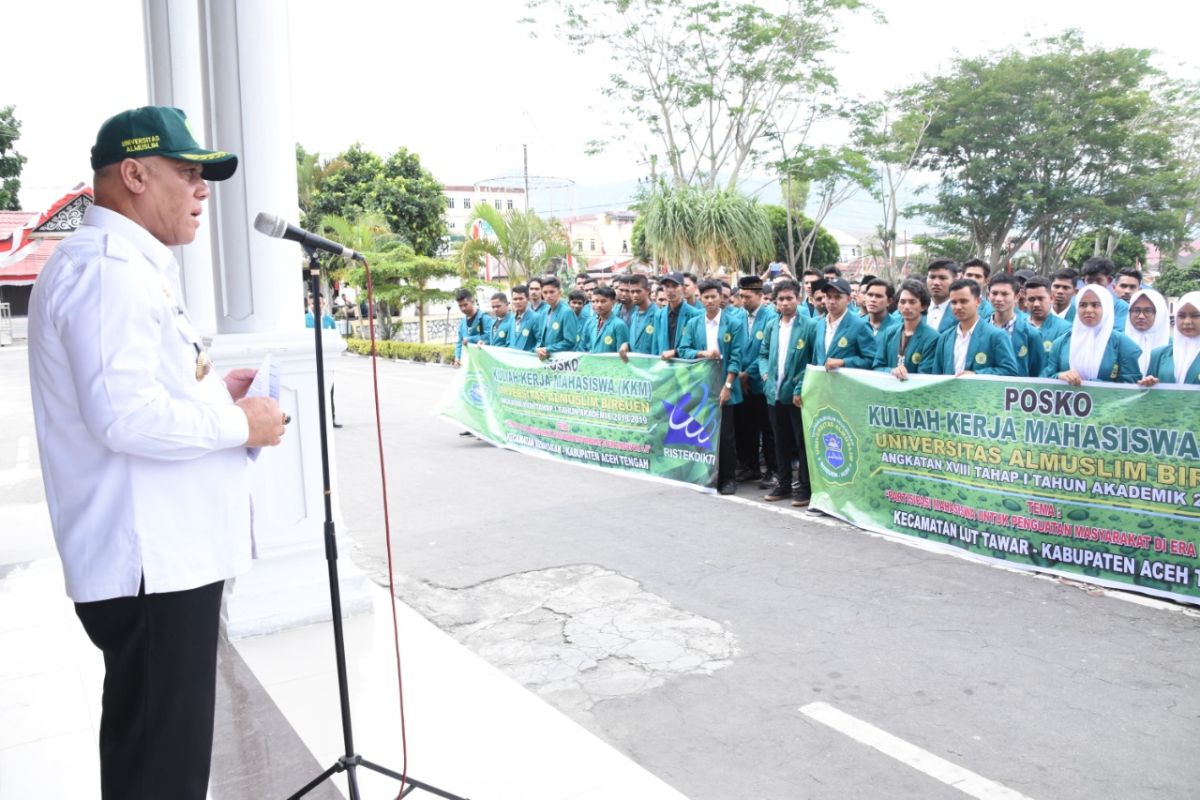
(134, 174)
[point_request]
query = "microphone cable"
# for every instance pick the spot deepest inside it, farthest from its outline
(387, 527)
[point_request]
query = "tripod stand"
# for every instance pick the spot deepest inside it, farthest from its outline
(351, 761)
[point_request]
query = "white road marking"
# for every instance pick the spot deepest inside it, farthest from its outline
(940, 769)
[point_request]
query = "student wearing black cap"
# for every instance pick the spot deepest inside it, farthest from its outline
(843, 339)
(674, 316)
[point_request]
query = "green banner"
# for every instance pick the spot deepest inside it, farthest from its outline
(1100, 483)
(648, 417)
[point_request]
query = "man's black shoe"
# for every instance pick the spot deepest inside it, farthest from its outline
(338, 425)
(777, 493)
(800, 502)
(747, 474)
(768, 481)
(466, 433)
(728, 487)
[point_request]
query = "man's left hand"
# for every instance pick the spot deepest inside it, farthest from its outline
(238, 381)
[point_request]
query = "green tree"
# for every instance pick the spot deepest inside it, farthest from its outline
(357, 182)
(707, 82)
(524, 243)
(932, 247)
(11, 162)
(1125, 251)
(1176, 281)
(1040, 146)
(825, 249)
(690, 227)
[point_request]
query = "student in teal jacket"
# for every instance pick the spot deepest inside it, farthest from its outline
(727, 342)
(904, 347)
(1026, 342)
(678, 310)
(643, 319)
(877, 296)
(560, 326)
(527, 323)
(604, 332)
(852, 344)
(472, 328)
(784, 355)
(1093, 350)
(500, 323)
(1039, 301)
(752, 425)
(988, 350)
(1177, 362)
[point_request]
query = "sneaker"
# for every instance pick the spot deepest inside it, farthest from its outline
(800, 502)
(728, 487)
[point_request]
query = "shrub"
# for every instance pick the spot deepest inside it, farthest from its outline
(406, 351)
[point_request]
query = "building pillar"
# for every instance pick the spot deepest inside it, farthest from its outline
(175, 79)
(258, 299)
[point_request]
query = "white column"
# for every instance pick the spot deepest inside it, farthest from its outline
(259, 303)
(175, 79)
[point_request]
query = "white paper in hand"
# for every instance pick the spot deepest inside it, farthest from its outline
(265, 384)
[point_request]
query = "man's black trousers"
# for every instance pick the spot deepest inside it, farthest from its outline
(789, 446)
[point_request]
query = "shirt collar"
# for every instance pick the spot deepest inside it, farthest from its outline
(714, 321)
(111, 221)
(966, 335)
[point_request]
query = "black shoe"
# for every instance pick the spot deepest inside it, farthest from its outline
(338, 425)
(777, 493)
(768, 481)
(747, 474)
(800, 502)
(728, 487)
(466, 433)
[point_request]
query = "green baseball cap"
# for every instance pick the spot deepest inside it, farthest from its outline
(157, 131)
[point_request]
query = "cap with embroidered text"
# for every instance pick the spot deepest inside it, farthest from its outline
(158, 131)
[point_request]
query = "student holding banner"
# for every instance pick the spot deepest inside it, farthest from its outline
(675, 316)
(905, 346)
(643, 321)
(1148, 325)
(560, 325)
(972, 347)
(844, 339)
(1093, 350)
(500, 324)
(604, 332)
(527, 324)
(1177, 362)
(472, 328)
(720, 335)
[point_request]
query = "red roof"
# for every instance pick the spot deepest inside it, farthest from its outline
(27, 238)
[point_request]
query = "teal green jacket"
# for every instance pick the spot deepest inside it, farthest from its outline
(1162, 365)
(989, 353)
(500, 331)
(921, 347)
(662, 330)
(1027, 347)
(1052, 328)
(643, 330)
(800, 352)
(1119, 365)
(606, 339)
(855, 343)
(731, 338)
(756, 334)
(889, 322)
(526, 333)
(560, 329)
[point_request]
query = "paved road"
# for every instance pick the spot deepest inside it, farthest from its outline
(689, 631)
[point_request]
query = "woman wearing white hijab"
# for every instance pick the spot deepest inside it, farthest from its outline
(1178, 362)
(1092, 350)
(1148, 325)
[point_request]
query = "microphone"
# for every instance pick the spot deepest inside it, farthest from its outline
(278, 228)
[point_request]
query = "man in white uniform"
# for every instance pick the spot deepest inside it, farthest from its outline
(143, 452)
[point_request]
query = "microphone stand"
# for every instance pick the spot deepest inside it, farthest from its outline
(351, 761)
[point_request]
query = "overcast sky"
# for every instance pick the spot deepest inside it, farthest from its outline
(463, 85)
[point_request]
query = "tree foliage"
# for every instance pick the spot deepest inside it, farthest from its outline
(1125, 251)
(690, 227)
(399, 276)
(1176, 281)
(11, 162)
(825, 250)
(357, 182)
(1040, 146)
(705, 80)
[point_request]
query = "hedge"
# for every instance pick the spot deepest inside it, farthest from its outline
(407, 351)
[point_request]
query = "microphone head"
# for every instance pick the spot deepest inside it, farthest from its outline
(270, 225)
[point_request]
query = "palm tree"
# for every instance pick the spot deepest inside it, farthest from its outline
(524, 243)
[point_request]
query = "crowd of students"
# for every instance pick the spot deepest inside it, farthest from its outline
(1099, 324)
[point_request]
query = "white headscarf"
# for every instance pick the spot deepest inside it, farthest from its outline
(1185, 348)
(1088, 344)
(1158, 334)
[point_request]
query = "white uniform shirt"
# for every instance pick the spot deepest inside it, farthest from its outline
(831, 326)
(712, 331)
(785, 336)
(933, 317)
(144, 468)
(962, 343)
